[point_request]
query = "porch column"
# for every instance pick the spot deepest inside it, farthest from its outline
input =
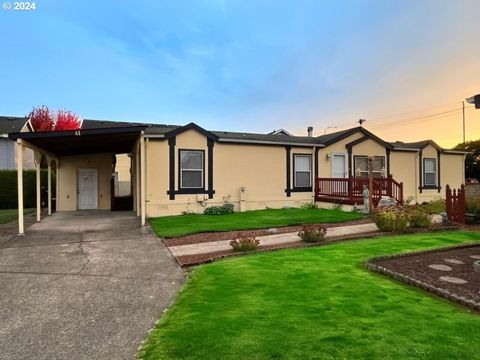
(142, 178)
(49, 160)
(38, 158)
(19, 146)
(57, 182)
(137, 177)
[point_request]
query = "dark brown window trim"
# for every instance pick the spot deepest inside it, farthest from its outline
(288, 150)
(302, 188)
(438, 186)
(199, 190)
(171, 166)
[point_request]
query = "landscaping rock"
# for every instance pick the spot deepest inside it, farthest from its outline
(386, 201)
(453, 280)
(440, 267)
(454, 261)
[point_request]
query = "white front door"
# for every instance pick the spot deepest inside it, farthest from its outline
(87, 189)
(339, 166)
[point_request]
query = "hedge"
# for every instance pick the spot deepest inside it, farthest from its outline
(8, 186)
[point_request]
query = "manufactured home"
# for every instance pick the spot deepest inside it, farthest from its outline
(178, 169)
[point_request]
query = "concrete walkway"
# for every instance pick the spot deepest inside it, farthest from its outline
(285, 238)
(83, 285)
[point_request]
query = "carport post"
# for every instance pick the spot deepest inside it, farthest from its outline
(49, 160)
(38, 158)
(21, 229)
(142, 177)
(137, 177)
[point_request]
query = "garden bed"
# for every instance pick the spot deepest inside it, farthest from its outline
(229, 235)
(197, 259)
(447, 272)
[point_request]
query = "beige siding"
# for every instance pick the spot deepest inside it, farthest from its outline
(67, 179)
(404, 168)
(122, 168)
(325, 165)
(260, 170)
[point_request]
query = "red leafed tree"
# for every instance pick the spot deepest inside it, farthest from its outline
(41, 119)
(67, 120)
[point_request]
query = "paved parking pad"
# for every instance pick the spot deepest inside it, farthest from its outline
(83, 285)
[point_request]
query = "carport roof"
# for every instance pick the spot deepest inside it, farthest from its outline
(86, 141)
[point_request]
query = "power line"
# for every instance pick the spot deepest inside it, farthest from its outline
(425, 118)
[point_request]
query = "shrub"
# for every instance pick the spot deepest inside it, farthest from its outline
(434, 207)
(244, 243)
(419, 218)
(311, 206)
(219, 210)
(42, 119)
(66, 120)
(472, 205)
(312, 233)
(391, 219)
(8, 195)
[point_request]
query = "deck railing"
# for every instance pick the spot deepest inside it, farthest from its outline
(349, 190)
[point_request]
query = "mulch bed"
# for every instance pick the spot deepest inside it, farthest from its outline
(414, 269)
(229, 235)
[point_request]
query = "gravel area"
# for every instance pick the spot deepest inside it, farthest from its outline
(461, 280)
(229, 235)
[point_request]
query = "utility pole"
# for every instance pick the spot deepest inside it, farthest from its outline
(463, 108)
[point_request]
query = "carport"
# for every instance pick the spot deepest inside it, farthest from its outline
(83, 152)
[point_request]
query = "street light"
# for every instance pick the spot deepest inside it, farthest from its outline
(475, 99)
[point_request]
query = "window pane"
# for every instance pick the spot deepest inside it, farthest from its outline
(430, 179)
(191, 179)
(302, 163)
(361, 164)
(191, 160)
(378, 163)
(430, 165)
(302, 179)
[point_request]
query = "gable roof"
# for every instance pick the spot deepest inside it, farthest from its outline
(332, 138)
(10, 124)
(280, 132)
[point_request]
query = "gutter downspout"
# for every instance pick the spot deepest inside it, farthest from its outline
(314, 167)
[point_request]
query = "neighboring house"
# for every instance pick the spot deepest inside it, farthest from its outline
(186, 168)
(8, 156)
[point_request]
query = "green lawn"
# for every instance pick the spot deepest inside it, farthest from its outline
(315, 303)
(174, 226)
(9, 215)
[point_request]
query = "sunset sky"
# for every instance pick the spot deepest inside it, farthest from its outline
(405, 66)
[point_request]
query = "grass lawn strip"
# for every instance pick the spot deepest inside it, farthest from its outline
(318, 302)
(9, 215)
(181, 225)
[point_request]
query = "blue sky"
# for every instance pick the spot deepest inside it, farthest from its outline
(248, 65)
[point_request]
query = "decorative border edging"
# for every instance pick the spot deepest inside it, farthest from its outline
(370, 265)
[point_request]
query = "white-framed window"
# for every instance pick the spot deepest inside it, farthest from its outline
(191, 169)
(429, 172)
(361, 166)
(302, 170)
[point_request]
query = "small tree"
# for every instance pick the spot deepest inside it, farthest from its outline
(472, 160)
(42, 119)
(67, 120)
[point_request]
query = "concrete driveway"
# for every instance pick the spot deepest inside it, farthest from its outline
(83, 285)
